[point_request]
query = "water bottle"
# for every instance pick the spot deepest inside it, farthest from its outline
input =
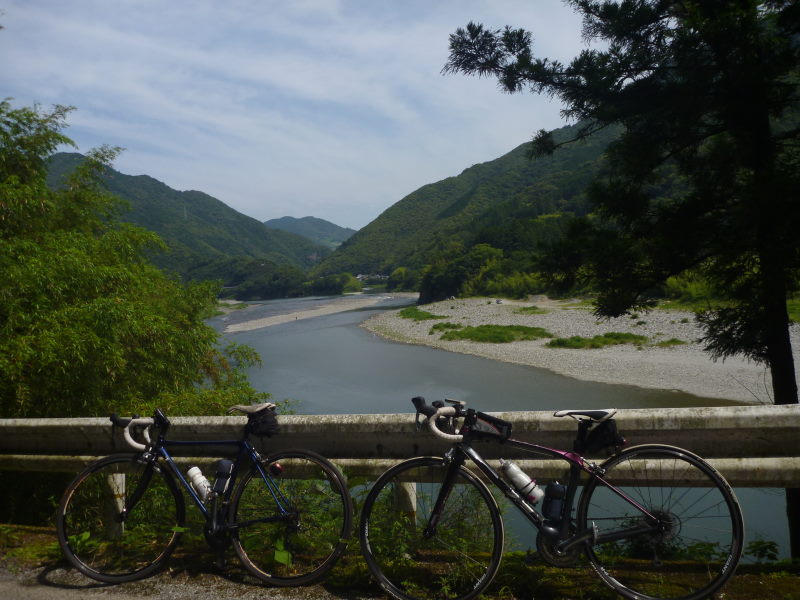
(524, 484)
(199, 483)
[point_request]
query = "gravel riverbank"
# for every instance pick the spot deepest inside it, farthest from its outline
(683, 367)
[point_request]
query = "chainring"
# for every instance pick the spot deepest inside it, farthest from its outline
(547, 552)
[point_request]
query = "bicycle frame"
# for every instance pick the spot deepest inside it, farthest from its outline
(459, 453)
(244, 451)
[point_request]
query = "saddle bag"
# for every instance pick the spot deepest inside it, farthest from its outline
(603, 436)
(263, 423)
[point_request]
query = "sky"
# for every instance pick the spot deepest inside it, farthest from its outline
(335, 109)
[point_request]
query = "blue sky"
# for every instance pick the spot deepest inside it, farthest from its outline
(325, 108)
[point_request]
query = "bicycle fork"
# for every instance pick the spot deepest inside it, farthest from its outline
(454, 460)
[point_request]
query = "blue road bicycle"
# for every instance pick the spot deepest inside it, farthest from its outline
(287, 515)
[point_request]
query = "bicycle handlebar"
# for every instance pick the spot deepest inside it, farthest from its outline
(444, 411)
(433, 412)
(126, 424)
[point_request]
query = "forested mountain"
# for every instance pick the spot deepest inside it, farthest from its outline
(199, 229)
(488, 199)
(317, 230)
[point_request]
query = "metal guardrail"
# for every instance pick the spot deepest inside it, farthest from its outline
(754, 446)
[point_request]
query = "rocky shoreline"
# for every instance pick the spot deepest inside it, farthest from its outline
(684, 367)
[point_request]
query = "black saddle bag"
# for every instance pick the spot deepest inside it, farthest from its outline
(603, 436)
(263, 423)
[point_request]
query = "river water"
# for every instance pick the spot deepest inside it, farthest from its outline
(330, 365)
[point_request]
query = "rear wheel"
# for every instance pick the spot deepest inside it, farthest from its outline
(292, 531)
(109, 534)
(692, 548)
(455, 561)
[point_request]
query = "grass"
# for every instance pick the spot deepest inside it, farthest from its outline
(497, 334)
(521, 576)
(793, 306)
(670, 342)
(611, 338)
(412, 312)
(524, 576)
(446, 326)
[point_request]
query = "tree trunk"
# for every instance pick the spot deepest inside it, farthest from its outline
(784, 385)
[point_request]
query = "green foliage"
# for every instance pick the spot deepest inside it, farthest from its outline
(599, 341)
(332, 285)
(196, 228)
(531, 310)
(793, 308)
(669, 343)
(706, 170)
(497, 202)
(456, 272)
(403, 279)
(87, 325)
(762, 550)
(446, 326)
(412, 312)
(497, 334)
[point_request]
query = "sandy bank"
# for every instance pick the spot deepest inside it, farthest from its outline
(340, 305)
(685, 367)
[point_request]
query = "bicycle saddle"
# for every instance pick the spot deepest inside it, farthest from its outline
(598, 416)
(249, 409)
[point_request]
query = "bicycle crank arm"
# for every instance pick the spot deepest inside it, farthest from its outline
(624, 534)
(578, 538)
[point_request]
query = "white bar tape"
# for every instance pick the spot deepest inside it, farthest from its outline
(148, 421)
(444, 411)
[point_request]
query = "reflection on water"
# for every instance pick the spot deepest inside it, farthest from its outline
(330, 365)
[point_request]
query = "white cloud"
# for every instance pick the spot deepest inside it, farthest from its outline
(323, 108)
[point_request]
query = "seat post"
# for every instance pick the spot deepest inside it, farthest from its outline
(580, 439)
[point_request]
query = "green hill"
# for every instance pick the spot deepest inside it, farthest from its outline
(317, 230)
(199, 229)
(460, 209)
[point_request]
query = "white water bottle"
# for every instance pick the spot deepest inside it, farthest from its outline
(524, 484)
(199, 483)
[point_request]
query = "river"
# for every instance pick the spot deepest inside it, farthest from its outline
(330, 365)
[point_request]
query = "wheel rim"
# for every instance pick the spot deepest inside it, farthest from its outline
(457, 561)
(696, 544)
(305, 540)
(96, 538)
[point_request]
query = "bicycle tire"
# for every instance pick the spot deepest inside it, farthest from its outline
(699, 543)
(91, 535)
(302, 549)
(459, 561)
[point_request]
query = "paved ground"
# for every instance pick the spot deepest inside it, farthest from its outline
(58, 584)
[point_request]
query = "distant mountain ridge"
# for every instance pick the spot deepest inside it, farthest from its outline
(458, 208)
(198, 228)
(317, 230)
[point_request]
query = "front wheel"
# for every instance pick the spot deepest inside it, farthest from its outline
(459, 554)
(690, 544)
(120, 519)
(290, 526)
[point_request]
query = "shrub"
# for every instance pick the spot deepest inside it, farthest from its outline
(412, 312)
(531, 310)
(670, 342)
(446, 326)
(497, 334)
(599, 341)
